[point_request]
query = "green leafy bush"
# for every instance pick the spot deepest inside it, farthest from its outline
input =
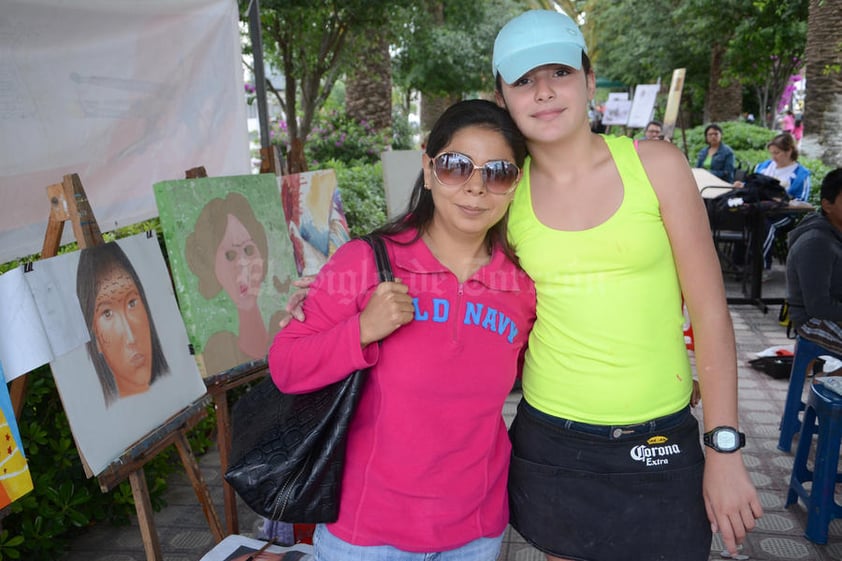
(403, 131)
(336, 137)
(363, 195)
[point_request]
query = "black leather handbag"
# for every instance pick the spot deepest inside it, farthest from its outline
(288, 451)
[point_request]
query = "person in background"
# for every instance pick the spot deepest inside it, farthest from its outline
(717, 157)
(653, 131)
(614, 234)
(782, 165)
(814, 269)
(428, 454)
(798, 131)
(788, 122)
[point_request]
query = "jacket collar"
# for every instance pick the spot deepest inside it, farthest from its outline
(498, 274)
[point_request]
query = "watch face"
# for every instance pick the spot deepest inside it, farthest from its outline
(726, 440)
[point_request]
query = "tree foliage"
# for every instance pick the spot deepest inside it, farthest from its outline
(636, 43)
(767, 48)
(308, 42)
(639, 42)
(445, 48)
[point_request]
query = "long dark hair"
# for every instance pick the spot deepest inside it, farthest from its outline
(94, 262)
(470, 113)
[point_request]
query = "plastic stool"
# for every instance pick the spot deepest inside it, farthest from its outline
(805, 352)
(824, 406)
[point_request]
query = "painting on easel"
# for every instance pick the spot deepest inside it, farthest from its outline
(15, 480)
(232, 262)
(316, 220)
(136, 370)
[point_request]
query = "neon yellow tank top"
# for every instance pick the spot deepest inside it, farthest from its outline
(608, 344)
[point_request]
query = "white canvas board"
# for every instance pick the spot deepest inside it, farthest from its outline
(400, 171)
(104, 431)
(643, 105)
(616, 112)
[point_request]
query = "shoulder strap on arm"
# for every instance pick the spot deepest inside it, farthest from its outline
(381, 257)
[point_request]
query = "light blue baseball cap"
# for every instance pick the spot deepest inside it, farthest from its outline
(535, 38)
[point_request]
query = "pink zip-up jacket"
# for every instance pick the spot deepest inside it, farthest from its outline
(428, 451)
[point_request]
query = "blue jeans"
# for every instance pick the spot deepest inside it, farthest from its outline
(330, 548)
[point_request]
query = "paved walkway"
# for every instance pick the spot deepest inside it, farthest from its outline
(184, 534)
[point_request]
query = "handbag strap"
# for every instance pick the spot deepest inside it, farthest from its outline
(381, 257)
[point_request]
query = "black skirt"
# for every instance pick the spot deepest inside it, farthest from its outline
(606, 493)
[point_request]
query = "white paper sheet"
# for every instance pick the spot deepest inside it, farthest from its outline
(36, 326)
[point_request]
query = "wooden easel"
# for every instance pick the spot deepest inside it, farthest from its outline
(69, 202)
(218, 387)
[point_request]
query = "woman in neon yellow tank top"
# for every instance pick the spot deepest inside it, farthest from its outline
(606, 460)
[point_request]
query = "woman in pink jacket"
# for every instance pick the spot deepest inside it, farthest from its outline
(428, 453)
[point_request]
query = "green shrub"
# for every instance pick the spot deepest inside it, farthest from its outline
(336, 137)
(748, 142)
(403, 131)
(363, 195)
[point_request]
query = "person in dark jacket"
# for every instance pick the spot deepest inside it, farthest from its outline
(717, 157)
(814, 269)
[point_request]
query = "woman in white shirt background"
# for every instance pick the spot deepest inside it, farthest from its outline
(783, 165)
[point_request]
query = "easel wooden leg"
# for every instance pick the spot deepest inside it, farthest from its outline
(223, 442)
(191, 467)
(143, 505)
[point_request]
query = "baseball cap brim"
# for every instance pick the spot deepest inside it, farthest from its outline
(519, 63)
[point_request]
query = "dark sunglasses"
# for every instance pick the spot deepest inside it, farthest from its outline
(454, 169)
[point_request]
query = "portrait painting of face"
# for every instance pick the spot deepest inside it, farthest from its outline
(239, 264)
(136, 369)
(232, 262)
(124, 344)
(122, 332)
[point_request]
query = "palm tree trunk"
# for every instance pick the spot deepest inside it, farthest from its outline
(823, 102)
(368, 90)
(723, 103)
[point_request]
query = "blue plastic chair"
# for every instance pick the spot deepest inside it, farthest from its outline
(805, 352)
(825, 407)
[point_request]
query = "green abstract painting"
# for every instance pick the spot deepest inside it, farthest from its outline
(232, 263)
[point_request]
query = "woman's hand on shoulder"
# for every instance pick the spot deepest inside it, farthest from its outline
(295, 304)
(389, 308)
